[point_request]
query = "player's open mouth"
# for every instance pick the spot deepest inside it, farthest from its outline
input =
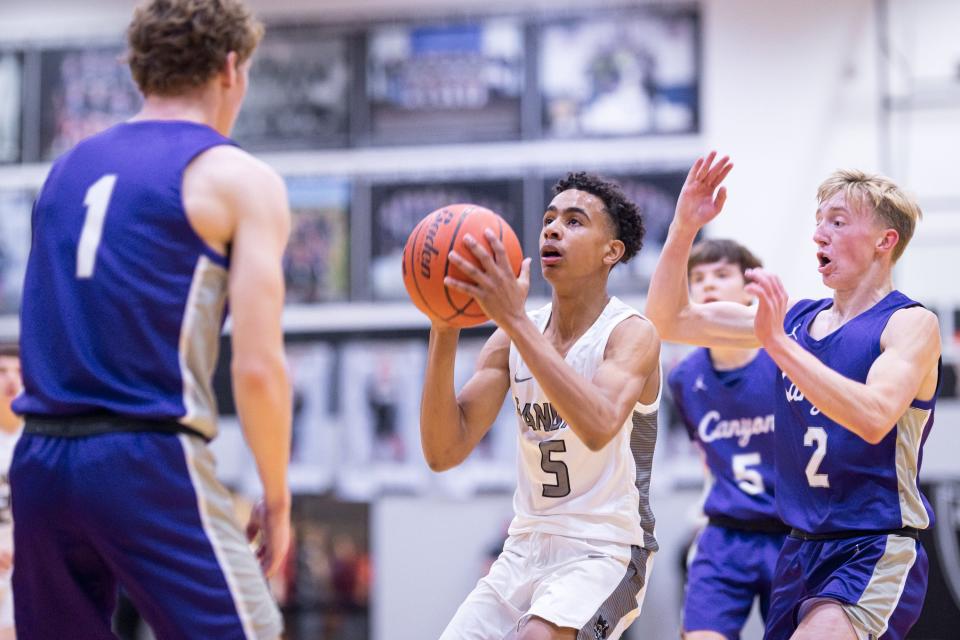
(824, 261)
(550, 256)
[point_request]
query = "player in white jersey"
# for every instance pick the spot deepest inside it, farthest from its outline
(11, 425)
(583, 373)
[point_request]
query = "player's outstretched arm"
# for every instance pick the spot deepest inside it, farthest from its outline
(906, 369)
(249, 202)
(451, 425)
(716, 324)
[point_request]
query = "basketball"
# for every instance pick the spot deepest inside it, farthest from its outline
(425, 262)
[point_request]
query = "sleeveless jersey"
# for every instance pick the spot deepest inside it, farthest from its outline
(828, 478)
(123, 302)
(563, 487)
(733, 421)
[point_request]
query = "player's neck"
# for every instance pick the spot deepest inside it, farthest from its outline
(571, 315)
(871, 289)
(200, 107)
(729, 359)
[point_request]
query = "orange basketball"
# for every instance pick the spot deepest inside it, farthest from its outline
(425, 261)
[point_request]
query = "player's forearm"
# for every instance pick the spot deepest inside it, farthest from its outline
(853, 405)
(668, 298)
(263, 397)
(587, 412)
(441, 432)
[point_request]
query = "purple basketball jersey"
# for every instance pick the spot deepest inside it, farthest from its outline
(732, 417)
(828, 478)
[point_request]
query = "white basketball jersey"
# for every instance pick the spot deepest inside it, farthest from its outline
(563, 487)
(7, 443)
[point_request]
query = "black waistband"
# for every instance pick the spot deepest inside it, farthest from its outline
(906, 532)
(750, 526)
(98, 424)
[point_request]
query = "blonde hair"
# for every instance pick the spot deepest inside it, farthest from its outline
(891, 206)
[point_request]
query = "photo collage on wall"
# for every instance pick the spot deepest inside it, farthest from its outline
(616, 72)
(628, 75)
(429, 80)
(299, 92)
(316, 263)
(83, 91)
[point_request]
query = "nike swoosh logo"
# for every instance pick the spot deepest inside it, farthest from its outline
(516, 379)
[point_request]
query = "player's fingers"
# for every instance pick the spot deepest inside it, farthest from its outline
(486, 260)
(724, 173)
(524, 278)
(465, 265)
(499, 251)
(705, 167)
(721, 198)
(694, 170)
(460, 285)
(713, 177)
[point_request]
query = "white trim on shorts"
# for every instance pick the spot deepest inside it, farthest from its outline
(258, 613)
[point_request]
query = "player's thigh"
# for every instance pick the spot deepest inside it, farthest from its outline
(494, 607)
(534, 628)
(825, 620)
(171, 537)
(595, 588)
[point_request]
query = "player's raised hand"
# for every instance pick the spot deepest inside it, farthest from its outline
(702, 197)
(272, 523)
(772, 308)
(499, 293)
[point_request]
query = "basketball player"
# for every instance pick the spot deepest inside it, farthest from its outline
(857, 385)
(140, 234)
(583, 373)
(725, 398)
(10, 427)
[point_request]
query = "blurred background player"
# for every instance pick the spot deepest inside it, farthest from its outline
(140, 234)
(725, 398)
(585, 378)
(10, 427)
(855, 402)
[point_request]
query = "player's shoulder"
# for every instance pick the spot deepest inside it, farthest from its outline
(232, 168)
(912, 322)
(634, 336)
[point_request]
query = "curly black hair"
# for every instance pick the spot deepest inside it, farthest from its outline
(625, 214)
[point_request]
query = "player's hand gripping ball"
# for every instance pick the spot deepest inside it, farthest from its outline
(426, 262)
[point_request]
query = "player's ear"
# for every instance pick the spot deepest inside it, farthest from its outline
(615, 251)
(230, 71)
(888, 241)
